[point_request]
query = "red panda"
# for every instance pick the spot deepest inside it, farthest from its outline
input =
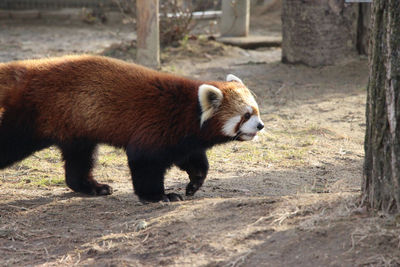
(77, 102)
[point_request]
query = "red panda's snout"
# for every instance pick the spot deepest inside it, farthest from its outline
(250, 128)
(244, 127)
(235, 107)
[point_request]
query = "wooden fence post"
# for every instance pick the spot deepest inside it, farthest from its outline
(235, 18)
(147, 28)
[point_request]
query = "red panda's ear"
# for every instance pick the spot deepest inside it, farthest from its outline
(233, 78)
(210, 98)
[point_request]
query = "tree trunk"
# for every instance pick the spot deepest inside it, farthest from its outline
(317, 33)
(381, 178)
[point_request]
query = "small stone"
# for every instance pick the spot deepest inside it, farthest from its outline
(141, 225)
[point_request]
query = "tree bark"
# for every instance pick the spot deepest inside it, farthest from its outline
(318, 33)
(381, 178)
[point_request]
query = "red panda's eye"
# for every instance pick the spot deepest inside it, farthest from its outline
(247, 116)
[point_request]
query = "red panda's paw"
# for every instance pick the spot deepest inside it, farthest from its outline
(192, 187)
(172, 197)
(90, 187)
(103, 190)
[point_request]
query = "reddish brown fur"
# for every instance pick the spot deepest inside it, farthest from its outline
(109, 100)
(106, 99)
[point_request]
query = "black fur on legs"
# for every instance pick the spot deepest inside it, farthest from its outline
(196, 165)
(78, 157)
(149, 166)
(147, 170)
(148, 179)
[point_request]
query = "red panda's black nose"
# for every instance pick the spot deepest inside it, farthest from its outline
(260, 126)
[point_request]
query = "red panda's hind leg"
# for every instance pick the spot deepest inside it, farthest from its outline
(196, 166)
(78, 157)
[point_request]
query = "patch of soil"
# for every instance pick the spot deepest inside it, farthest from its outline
(35, 40)
(195, 47)
(289, 198)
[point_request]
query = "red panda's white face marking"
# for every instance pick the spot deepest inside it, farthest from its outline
(251, 126)
(229, 127)
(234, 106)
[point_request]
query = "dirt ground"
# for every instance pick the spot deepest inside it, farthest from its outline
(289, 198)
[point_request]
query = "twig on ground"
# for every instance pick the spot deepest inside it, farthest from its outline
(239, 260)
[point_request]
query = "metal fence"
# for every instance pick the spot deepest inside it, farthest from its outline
(55, 4)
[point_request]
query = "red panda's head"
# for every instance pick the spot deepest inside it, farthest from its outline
(233, 105)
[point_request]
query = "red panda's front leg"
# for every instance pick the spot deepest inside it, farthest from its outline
(196, 166)
(148, 177)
